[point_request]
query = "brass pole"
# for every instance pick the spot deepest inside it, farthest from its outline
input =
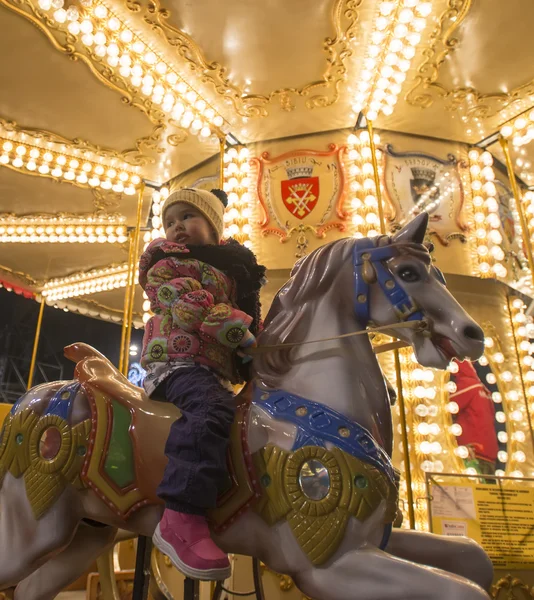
(36, 343)
(222, 146)
(126, 309)
(518, 358)
(398, 373)
(377, 179)
(131, 291)
(518, 202)
(405, 446)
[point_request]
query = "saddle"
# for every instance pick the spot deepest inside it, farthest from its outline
(126, 456)
(122, 408)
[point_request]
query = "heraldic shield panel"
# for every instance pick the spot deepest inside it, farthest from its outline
(419, 182)
(301, 191)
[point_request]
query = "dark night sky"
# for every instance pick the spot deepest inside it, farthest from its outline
(60, 329)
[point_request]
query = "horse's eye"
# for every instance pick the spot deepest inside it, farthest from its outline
(409, 274)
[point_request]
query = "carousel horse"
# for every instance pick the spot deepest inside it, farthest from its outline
(312, 492)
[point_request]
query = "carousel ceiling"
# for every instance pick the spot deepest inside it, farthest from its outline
(101, 95)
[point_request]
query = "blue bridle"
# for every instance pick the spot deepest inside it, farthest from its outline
(367, 251)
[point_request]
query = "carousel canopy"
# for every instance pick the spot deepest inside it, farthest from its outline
(102, 100)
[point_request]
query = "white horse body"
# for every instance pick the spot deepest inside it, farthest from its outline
(342, 374)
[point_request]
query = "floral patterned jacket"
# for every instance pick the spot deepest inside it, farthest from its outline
(195, 317)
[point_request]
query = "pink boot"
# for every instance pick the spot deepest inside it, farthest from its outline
(186, 540)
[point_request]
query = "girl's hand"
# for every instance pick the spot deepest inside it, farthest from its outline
(248, 341)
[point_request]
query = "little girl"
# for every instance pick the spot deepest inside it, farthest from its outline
(204, 294)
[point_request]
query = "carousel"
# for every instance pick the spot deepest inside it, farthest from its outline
(378, 159)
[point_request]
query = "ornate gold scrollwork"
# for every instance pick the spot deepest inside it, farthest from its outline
(132, 156)
(511, 588)
(320, 93)
(426, 87)
(67, 44)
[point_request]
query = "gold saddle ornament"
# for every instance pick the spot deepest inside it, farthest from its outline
(356, 489)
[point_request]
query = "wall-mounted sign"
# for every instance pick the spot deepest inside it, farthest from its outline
(301, 192)
(416, 182)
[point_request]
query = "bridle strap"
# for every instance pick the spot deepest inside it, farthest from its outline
(415, 325)
(365, 251)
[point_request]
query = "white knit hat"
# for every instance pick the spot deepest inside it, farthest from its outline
(209, 204)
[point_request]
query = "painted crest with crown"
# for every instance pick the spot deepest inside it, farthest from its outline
(415, 182)
(301, 193)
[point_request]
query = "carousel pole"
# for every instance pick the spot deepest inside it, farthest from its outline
(126, 309)
(134, 257)
(36, 343)
(518, 203)
(222, 147)
(398, 373)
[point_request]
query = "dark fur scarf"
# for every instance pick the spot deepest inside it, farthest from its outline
(237, 262)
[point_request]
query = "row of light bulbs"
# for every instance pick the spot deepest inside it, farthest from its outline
(363, 194)
(426, 428)
(83, 284)
(520, 130)
(396, 33)
(157, 230)
(486, 236)
(238, 213)
(82, 171)
(112, 41)
(519, 425)
(61, 231)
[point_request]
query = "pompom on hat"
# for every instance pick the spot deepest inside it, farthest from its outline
(210, 204)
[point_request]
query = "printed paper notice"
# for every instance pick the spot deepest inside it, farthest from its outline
(500, 519)
(453, 501)
(454, 528)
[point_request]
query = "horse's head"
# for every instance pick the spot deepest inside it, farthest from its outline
(395, 281)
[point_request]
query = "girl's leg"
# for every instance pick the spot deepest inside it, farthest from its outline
(197, 443)
(196, 451)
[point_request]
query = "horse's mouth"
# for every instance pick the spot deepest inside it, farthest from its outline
(444, 345)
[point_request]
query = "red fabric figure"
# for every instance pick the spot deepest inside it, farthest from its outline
(476, 415)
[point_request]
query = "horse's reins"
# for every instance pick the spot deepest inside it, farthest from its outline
(421, 325)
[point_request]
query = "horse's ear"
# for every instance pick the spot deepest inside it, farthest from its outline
(414, 231)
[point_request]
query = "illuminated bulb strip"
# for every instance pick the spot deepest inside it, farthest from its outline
(510, 404)
(421, 413)
(29, 158)
(109, 40)
(86, 283)
(236, 184)
(487, 237)
(59, 231)
(363, 199)
(521, 129)
(523, 331)
(157, 231)
(396, 33)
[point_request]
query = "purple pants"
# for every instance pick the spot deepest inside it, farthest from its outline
(196, 447)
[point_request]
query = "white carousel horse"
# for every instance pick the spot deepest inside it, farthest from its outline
(321, 494)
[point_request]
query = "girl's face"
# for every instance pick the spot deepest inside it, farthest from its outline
(184, 224)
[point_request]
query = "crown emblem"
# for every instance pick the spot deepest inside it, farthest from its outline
(424, 174)
(298, 172)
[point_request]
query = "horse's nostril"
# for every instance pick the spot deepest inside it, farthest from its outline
(474, 332)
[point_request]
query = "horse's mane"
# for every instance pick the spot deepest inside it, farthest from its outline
(290, 312)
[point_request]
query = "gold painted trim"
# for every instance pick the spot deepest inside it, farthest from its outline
(511, 587)
(426, 88)
(319, 94)
(28, 279)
